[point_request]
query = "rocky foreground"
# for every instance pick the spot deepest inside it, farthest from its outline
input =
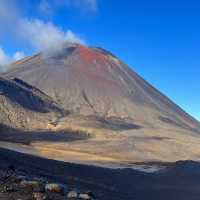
(16, 185)
(27, 177)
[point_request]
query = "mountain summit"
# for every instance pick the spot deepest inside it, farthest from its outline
(92, 81)
(101, 95)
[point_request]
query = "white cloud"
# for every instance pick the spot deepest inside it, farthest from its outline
(35, 34)
(45, 7)
(18, 55)
(6, 59)
(44, 35)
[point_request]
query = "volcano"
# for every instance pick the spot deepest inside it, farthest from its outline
(128, 120)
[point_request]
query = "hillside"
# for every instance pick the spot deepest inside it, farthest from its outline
(125, 118)
(23, 106)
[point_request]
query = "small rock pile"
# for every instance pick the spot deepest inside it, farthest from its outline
(18, 187)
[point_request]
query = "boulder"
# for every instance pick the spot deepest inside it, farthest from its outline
(8, 189)
(72, 195)
(34, 186)
(56, 188)
(85, 196)
(39, 196)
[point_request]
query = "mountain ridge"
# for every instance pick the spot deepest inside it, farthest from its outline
(22, 102)
(114, 79)
(126, 118)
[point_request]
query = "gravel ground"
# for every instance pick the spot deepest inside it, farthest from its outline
(180, 180)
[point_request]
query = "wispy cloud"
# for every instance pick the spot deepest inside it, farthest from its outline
(90, 5)
(6, 59)
(18, 55)
(9, 16)
(32, 32)
(45, 7)
(49, 7)
(42, 36)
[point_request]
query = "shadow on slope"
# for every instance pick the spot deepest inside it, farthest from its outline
(178, 123)
(102, 122)
(8, 134)
(180, 180)
(27, 96)
(117, 124)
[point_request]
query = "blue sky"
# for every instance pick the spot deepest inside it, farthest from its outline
(158, 39)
